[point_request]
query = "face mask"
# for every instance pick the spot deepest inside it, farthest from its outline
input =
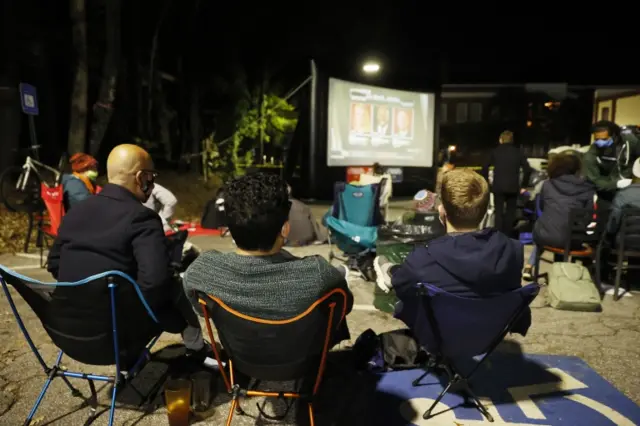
(603, 143)
(92, 174)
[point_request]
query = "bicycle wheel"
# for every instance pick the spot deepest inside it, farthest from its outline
(17, 200)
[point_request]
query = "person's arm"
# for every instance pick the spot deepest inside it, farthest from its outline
(404, 277)
(526, 171)
(592, 172)
(76, 191)
(167, 202)
(487, 164)
(152, 257)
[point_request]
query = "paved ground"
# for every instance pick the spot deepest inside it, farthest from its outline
(607, 341)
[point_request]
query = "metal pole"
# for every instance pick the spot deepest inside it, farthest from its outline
(34, 138)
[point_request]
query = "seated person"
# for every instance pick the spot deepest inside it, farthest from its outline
(305, 229)
(565, 190)
(163, 202)
(423, 202)
(80, 184)
(466, 262)
(627, 198)
(385, 192)
(114, 231)
(261, 279)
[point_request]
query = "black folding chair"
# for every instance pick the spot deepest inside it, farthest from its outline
(626, 245)
(276, 350)
(450, 327)
(106, 322)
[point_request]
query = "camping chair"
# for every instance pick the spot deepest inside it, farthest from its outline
(352, 222)
(626, 245)
(90, 333)
(53, 198)
(452, 327)
(580, 231)
(275, 350)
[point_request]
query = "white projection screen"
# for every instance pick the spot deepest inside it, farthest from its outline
(369, 124)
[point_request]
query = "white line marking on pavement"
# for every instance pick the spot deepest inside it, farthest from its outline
(28, 255)
(23, 267)
(364, 308)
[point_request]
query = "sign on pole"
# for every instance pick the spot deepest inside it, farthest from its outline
(28, 99)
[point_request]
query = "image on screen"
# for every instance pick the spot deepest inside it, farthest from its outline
(369, 124)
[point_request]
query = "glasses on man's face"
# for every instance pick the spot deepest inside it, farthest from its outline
(152, 174)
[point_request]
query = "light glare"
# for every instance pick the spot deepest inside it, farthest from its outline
(371, 67)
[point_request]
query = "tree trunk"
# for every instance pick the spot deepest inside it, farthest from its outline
(152, 60)
(78, 116)
(103, 108)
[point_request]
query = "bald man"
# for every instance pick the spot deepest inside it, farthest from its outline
(115, 231)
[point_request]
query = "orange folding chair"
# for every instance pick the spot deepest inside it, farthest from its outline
(275, 350)
(48, 225)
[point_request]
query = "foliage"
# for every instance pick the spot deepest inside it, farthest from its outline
(13, 231)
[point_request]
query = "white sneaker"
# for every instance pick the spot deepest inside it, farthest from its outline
(383, 279)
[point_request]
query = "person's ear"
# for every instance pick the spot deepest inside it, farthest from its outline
(442, 214)
(286, 228)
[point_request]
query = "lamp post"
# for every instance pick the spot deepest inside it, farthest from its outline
(371, 67)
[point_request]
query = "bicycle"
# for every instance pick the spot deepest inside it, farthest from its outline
(20, 185)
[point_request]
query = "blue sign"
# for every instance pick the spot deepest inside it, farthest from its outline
(396, 174)
(28, 99)
(518, 390)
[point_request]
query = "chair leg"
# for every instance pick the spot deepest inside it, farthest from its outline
(232, 410)
(427, 414)
(616, 287)
(93, 399)
(50, 377)
(536, 264)
(417, 381)
(74, 391)
(479, 405)
(312, 419)
(112, 408)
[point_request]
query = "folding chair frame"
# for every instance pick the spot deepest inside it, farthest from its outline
(58, 370)
(454, 375)
(237, 392)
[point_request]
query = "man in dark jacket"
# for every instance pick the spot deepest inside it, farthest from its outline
(609, 160)
(627, 198)
(305, 229)
(113, 230)
(465, 262)
(507, 160)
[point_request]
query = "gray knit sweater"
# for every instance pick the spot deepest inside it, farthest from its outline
(279, 286)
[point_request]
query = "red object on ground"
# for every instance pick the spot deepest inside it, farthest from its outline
(195, 230)
(98, 189)
(353, 173)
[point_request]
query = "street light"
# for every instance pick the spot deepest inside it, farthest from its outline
(371, 67)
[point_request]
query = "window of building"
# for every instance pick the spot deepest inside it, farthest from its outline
(476, 112)
(605, 114)
(462, 112)
(443, 112)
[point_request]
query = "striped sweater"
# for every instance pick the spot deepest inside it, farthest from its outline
(278, 286)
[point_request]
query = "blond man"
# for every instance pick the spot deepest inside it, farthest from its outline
(467, 262)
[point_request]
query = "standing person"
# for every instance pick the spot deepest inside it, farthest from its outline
(507, 160)
(163, 202)
(609, 161)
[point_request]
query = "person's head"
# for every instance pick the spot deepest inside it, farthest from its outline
(636, 171)
(403, 120)
(382, 115)
(361, 117)
(506, 137)
(377, 169)
(257, 209)
(605, 133)
(465, 198)
(84, 164)
(131, 167)
(565, 163)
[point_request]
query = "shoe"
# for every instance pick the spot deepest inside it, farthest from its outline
(344, 271)
(527, 273)
(383, 279)
(201, 355)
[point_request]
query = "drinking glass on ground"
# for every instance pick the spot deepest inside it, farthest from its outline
(177, 395)
(201, 391)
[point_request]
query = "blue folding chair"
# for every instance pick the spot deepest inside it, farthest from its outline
(452, 328)
(98, 337)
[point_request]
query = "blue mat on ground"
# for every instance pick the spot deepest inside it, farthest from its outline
(519, 390)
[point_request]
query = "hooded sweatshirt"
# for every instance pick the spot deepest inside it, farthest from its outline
(480, 264)
(557, 197)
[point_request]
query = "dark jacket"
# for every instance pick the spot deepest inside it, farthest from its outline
(304, 227)
(476, 264)
(113, 231)
(627, 198)
(604, 167)
(557, 197)
(507, 160)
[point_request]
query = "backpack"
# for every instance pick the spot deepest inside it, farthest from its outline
(572, 289)
(392, 350)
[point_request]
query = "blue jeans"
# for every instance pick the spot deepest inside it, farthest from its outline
(532, 257)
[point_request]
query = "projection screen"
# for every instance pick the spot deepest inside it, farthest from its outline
(369, 124)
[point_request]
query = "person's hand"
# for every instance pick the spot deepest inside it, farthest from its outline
(523, 191)
(623, 183)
